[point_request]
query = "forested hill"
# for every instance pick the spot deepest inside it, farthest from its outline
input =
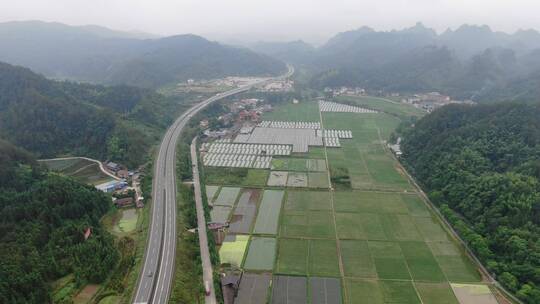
(98, 55)
(43, 217)
(481, 166)
(51, 118)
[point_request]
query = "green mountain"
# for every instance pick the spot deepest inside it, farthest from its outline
(53, 118)
(481, 166)
(424, 69)
(44, 217)
(368, 49)
(471, 62)
(179, 58)
(99, 55)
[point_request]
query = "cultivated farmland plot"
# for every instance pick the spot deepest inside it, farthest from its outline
(325, 290)
(233, 248)
(211, 192)
(268, 217)
(477, 294)
(318, 180)
(220, 214)
(253, 288)
(227, 196)
(245, 211)
(297, 179)
(373, 240)
(278, 178)
(288, 290)
(261, 254)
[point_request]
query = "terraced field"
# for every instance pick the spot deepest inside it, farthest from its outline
(365, 237)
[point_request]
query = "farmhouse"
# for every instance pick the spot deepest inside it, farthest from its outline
(111, 186)
(123, 202)
(113, 166)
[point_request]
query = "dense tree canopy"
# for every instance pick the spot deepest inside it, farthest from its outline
(481, 165)
(53, 118)
(43, 217)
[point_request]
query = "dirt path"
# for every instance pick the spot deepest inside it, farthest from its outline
(100, 164)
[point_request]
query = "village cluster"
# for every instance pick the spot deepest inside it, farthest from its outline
(426, 101)
(216, 85)
(123, 194)
(432, 101)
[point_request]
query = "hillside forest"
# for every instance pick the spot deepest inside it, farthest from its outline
(481, 166)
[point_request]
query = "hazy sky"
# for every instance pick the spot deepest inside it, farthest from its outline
(311, 20)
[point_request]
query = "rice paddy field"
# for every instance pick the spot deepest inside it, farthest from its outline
(302, 239)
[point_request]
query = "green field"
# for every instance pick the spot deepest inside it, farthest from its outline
(323, 258)
(357, 260)
(307, 224)
(292, 256)
(318, 180)
(232, 250)
(307, 257)
(389, 261)
(369, 165)
(298, 164)
(373, 202)
(82, 170)
(236, 176)
(304, 111)
(308, 200)
(316, 152)
(436, 293)
(268, 217)
(383, 105)
(261, 254)
(256, 177)
(371, 230)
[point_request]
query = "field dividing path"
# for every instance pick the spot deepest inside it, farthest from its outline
(208, 278)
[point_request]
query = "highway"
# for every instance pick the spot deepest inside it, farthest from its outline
(155, 279)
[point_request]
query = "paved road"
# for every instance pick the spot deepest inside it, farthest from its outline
(210, 298)
(155, 279)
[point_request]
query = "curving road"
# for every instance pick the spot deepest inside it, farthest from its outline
(157, 273)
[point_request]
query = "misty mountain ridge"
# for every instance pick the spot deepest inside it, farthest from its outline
(98, 55)
(467, 40)
(42, 27)
(470, 62)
